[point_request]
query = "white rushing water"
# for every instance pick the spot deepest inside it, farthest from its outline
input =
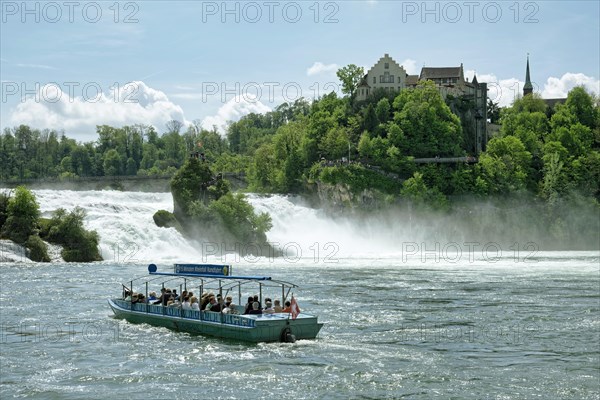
(128, 233)
(124, 222)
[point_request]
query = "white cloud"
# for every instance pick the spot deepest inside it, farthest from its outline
(410, 66)
(232, 111)
(501, 91)
(53, 108)
(320, 68)
(504, 91)
(560, 87)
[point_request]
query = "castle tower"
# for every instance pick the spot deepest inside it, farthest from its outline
(528, 88)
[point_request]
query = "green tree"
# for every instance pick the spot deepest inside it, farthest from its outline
(415, 190)
(23, 212)
(493, 111)
(112, 163)
(429, 126)
(505, 166)
(239, 218)
(350, 76)
(382, 110)
(189, 184)
(581, 105)
(131, 167)
(67, 229)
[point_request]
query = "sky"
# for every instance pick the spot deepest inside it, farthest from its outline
(72, 65)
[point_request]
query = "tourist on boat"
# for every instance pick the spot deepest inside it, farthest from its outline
(160, 298)
(173, 302)
(267, 300)
(229, 308)
(220, 302)
(194, 303)
(152, 296)
(218, 306)
(205, 300)
(186, 303)
(183, 295)
(215, 306)
(166, 297)
(288, 307)
(277, 307)
(249, 305)
(269, 308)
(255, 308)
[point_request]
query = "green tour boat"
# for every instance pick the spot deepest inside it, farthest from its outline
(137, 304)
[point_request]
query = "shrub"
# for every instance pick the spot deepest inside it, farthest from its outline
(3, 208)
(22, 214)
(165, 219)
(38, 249)
(80, 245)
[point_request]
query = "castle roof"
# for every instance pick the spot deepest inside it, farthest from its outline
(411, 80)
(440, 72)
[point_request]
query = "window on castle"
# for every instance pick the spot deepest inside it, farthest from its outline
(386, 78)
(374, 80)
(386, 66)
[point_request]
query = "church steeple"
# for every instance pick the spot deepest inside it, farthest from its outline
(528, 88)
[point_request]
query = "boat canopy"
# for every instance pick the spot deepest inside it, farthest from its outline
(214, 276)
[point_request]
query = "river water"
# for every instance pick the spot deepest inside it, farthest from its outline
(458, 320)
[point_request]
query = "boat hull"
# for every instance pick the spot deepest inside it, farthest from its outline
(250, 328)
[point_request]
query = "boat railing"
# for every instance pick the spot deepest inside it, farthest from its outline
(208, 316)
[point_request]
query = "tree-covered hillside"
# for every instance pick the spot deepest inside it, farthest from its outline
(550, 153)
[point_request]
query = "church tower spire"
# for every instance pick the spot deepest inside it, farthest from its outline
(528, 88)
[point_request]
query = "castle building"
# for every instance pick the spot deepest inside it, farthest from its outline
(450, 82)
(386, 74)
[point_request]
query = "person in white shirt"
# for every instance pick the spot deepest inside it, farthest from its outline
(186, 304)
(194, 304)
(269, 308)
